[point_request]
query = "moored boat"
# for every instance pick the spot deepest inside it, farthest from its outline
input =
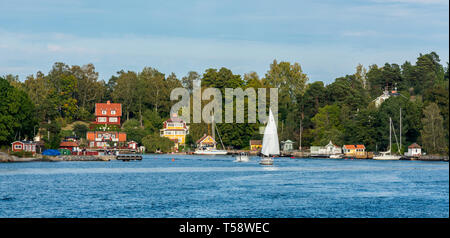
(242, 157)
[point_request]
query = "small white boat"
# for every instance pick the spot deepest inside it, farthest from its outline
(210, 152)
(242, 157)
(270, 144)
(386, 156)
(336, 156)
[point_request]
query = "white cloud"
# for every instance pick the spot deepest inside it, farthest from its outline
(25, 54)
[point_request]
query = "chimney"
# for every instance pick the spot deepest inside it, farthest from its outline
(108, 102)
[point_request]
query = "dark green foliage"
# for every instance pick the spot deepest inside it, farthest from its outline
(17, 115)
(155, 142)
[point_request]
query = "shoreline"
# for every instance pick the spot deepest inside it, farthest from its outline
(5, 158)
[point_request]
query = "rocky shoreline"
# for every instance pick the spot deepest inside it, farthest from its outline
(4, 157)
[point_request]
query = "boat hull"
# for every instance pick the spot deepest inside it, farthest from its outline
(218, 152)
(242, 158)
(387, 157)
(266, 161)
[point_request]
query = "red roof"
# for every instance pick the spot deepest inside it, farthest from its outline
(255, 142)
(174, 119)
(352, 147)
(108, 107)
(68, 144)
(414, 145)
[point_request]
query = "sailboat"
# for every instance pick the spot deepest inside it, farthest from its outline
(212, 150)
(387, 154)
(270, 144)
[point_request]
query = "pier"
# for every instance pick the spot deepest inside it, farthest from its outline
(129, 157)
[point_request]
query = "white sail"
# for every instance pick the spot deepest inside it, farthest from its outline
(270, 145)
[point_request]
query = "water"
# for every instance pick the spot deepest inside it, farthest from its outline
(201, 186)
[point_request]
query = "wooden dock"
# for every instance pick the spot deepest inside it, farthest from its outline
(129, 157)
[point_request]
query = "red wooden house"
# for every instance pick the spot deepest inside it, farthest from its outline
(106, 114)
(27, 146)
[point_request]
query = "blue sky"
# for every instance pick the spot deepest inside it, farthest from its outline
(328, 38)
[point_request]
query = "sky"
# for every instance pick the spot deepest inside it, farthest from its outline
(328, 38)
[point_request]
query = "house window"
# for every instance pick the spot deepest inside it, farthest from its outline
(102, 119)
(113, 112)
(18, 146)
(103, 112)
(113, 119)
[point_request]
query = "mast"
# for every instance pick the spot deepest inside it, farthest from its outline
(390, 134)
(400, 129)
(213, 129)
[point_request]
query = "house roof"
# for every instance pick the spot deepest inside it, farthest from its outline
(414, 145)
(204, 138)
(174, 119)
(352, 147)
(24, 142)
(68, 144)
(255, 142)
(108, 107)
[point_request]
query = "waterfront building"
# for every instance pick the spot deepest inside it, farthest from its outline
(287, 145)
(206, 141)
(132, 145)
(414, 150)
(329, 149)
(27, 146)
(354, 150)
(103, 139)
(175, 129)
(255, 145)
(71, 145)
(107, 124)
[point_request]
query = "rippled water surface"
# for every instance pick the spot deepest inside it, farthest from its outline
(197, 186)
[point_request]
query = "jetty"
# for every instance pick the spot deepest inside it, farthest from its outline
(128, 157)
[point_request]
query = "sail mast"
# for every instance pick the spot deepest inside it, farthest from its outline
(400, 129)
(390, 134)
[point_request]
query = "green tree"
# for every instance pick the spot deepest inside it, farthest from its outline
(17, 117)
(154, 142)
(328, 125)
(433, 137)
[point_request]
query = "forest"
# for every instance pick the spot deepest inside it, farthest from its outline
(309, 113)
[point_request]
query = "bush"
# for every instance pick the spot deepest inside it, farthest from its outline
(22, 154)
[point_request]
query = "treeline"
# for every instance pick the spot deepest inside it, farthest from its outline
(310, 113)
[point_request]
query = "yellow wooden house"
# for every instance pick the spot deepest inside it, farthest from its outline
(206, 141)
(176, 130)
(255, 145)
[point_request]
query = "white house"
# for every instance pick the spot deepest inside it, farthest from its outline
(329, 149)
(414, 150)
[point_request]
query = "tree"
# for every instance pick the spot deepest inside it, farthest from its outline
(89, 90)
(189, 80)
(328, 125)
(80, 130)
(433, 131)
(125, 91)
(155, 142)
(134, 131)
(17, 117)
